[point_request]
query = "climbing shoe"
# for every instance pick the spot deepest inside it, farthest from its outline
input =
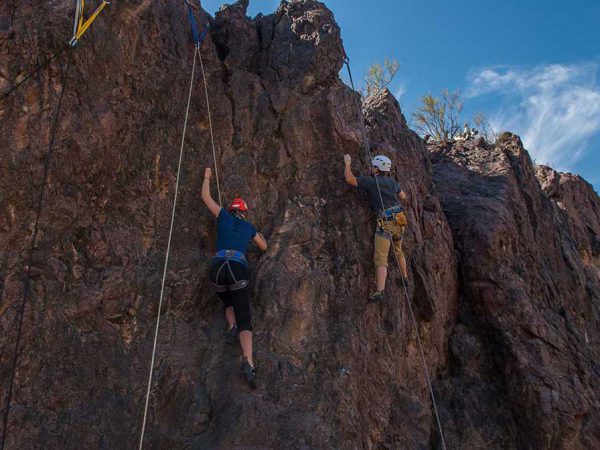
(232, 335)
(377, 296)
(249, 374)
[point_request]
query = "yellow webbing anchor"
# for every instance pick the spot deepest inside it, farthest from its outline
(80, 27)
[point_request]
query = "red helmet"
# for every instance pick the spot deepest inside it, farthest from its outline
(239, 205)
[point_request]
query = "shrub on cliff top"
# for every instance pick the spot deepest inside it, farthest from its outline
(439, 117)
(378, 77)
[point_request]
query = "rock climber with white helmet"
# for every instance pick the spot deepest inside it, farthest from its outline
(229, 271)
(380, 188)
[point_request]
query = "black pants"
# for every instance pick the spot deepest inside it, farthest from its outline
(240, 298)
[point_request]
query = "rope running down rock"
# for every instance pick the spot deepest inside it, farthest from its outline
(414, 322)
(27, 282)
(166, 264)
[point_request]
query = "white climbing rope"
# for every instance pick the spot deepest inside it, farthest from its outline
(425, 367)
(412, 316)
(164, 276)
(212, 138)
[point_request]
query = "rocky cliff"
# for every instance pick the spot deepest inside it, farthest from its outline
(523, 357)
(504, 271)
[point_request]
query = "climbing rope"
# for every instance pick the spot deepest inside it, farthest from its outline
(422, 352)
(80, 26)
(198, 38)
(10, 90)
(166, 264)
(79, 30)
(212, 139)
(27, 284)
(412, 316)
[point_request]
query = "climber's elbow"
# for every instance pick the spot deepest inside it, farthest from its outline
(260, 242)
(349, 176)
(213, 206)
(351, 179)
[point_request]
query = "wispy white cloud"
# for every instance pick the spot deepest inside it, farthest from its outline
(400, 91)
(555, 108)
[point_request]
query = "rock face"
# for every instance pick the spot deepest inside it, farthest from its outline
(523, 358)
(581, 207)
(333, 372)
(503, 275)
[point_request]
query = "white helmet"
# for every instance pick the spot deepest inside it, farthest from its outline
(383, 163)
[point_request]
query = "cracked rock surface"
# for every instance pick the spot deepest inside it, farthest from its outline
(523, 358)
(504, 272)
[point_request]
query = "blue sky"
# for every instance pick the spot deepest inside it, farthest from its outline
(532, 66)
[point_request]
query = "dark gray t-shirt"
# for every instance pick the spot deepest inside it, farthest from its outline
(389, 191)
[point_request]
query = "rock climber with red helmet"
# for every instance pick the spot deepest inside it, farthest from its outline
(229, 271)
(380, 188)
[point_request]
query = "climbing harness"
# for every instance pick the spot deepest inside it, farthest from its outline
(198, 38)
(414, 322)
(224, 257)
(79, 29)
(391, 213)
(394, 214)
(231, 255)
(27, 282)
(81, 26)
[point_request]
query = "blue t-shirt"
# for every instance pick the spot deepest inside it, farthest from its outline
(233, 233)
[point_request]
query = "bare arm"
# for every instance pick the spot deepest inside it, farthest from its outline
(260, 242)
(348, 175)
(213, 206)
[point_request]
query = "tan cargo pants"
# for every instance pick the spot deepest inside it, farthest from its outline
(390, 232)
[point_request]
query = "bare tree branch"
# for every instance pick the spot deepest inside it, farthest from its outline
(485, 128)
(378, 77)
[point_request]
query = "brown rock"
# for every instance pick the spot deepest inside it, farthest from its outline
(522, 356)
(333, 372)
(510, 328)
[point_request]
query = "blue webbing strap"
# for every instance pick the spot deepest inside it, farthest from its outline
(198, 37)
(231, 254)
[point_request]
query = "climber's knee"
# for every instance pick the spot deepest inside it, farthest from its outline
(381, 250)
(226, 298)
(244, 326)
(397, 240)
(398, 249)
(243, 315)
